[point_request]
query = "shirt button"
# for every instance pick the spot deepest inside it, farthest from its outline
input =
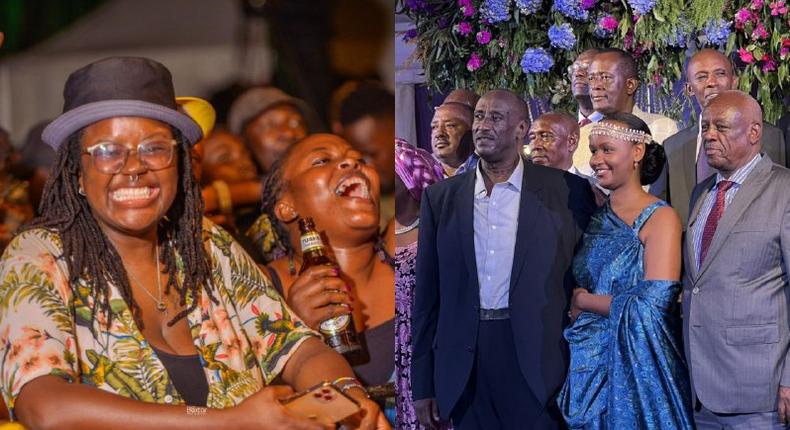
(493, 227)
(695, 290)
(491, 251)
(469, 348)
(488, 277)
(169, 398)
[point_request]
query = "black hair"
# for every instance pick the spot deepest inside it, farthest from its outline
(91, 257)
(654, 160)
(630, 69)
(273, 186)
(369, 98)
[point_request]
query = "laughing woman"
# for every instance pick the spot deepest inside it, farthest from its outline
(120, 307)
(323, 177)
(627, 370)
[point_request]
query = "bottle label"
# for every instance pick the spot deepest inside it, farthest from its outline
(334, 325)
(311, 241)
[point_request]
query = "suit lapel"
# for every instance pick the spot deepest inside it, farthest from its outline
(527, 215)
(754, 184)
(689, 157)
(693, 219)
(466, 217)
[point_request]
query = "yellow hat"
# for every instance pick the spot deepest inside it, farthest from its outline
(200, 111)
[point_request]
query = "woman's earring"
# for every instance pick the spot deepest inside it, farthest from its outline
(81, 191)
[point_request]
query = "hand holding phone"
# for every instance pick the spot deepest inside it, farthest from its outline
(324, 403)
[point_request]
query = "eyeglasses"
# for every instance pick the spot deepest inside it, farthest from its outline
(109, 157)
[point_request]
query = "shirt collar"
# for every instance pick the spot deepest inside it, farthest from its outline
(594, 117)
(740, 175)
(515, 179)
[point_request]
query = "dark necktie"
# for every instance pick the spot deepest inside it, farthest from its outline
(584, 122)
(713, 219)
(703, 168)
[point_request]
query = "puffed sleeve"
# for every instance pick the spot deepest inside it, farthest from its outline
(36, 325)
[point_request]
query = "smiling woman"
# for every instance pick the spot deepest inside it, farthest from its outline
(121, 300)
(323, 177)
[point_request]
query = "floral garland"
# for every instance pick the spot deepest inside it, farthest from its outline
(527, 45)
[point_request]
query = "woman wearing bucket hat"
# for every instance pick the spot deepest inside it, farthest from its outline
(120, 305)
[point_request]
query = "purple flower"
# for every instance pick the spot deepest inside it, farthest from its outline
(463, 28)
(642, 7)
(528, 7)
(760, 32)
(744, 16)
(605, 26)
(769, 64)
(571, 9)
(778, 8)
(717, 31)
(483, 37)
(467, 7)
(536, 60)
(495, 11)
(562, 37)
(409, 34)
(757, 4)
(745, 56)
(474, 62)
(588, 4)
(417, 5)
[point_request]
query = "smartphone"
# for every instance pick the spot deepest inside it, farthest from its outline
(324, 403)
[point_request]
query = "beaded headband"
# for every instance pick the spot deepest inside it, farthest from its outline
(603, 128)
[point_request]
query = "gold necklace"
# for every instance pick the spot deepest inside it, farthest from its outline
(161, 306)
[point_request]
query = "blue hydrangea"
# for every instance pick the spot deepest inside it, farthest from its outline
(642, 7)
(571, 9)
(680, 36)
(717, 31)
(536, 60)
(528, 7)
(562, 36)
(495, 11)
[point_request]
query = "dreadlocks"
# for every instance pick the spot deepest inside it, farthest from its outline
(91, 257)
(273, 186)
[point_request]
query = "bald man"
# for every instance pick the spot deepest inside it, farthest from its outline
(708, 73)
(613, 80)
(489, 305)
(735, 290)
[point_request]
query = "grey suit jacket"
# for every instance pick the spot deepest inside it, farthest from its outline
(680, 174)
(735, 306)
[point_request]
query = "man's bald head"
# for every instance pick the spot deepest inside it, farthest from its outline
(462, 96)
(731, 129)
(553, 139)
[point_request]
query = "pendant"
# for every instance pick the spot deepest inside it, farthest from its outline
(161, 307)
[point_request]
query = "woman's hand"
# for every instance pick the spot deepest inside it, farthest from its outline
(263, 410)
(319, 294)
(576, 303)
(370, 418)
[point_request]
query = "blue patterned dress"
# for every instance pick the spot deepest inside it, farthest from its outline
(626, 370)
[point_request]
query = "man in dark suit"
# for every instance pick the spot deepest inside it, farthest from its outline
(493, 282)
(708, 73)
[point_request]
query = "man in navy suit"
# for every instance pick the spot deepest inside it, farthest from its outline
(493, 282)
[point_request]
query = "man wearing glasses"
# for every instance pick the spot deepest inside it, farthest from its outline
(581, 88)
(613, 81)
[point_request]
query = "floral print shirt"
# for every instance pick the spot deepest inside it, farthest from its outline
(243, 342)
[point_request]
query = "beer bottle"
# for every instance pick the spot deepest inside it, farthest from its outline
(339, 331)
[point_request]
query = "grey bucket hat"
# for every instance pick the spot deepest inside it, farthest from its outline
(119, 86)
(255, 101)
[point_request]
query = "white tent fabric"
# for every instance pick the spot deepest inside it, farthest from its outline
(195, 39)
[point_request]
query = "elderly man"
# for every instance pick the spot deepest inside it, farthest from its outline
(735, 295)
(489, 307)
(553, 139)
(708, 73)
(580, 87)
(613, 80)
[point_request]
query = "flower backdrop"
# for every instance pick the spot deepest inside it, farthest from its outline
(527, 45)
